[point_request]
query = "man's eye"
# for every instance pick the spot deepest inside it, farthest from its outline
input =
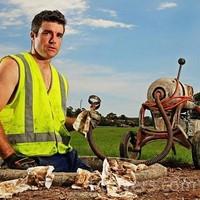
(46, 33)
(60, 35)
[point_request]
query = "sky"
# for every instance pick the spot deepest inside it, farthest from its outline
(113, 48)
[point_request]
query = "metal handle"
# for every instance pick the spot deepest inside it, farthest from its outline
(94, 102)
(181, 62)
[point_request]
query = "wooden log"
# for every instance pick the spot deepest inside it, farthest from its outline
(152, 172)
(96, 163)
(66, 179)
(10, 174)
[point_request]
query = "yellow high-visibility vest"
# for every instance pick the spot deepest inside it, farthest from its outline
(34, 120)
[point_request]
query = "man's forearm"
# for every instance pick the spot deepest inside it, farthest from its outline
(69, 123)
(5, 148)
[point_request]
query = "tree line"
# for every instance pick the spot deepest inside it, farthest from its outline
(196, 97)
(112, 119)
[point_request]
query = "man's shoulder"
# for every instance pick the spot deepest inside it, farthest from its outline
(8, 62)
(9, 75)
(12, 58)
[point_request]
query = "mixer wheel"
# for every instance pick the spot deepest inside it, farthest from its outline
(127, 146)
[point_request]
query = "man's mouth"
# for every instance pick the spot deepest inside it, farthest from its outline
(52, 48)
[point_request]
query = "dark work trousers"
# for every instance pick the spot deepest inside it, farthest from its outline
(68, 162)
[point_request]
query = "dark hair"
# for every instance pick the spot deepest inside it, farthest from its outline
(49, 16)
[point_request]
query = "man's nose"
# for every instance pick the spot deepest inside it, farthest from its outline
(52, 39)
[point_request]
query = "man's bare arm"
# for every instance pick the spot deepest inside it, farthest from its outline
(9, 76)
(69, 123)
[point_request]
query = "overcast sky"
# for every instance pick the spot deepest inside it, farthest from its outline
(113, 48)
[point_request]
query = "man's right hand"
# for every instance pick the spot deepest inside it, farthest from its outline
(19, 162)
(85, 119)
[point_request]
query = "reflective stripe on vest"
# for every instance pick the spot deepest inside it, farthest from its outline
(63, 93)
(29, 135)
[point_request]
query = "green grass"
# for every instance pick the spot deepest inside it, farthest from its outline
(108, 139)
(183, 155)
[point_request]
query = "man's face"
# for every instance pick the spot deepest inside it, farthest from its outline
(47, 41)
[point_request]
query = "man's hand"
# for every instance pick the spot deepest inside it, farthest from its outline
(85, 119)
(80, 121)
(95, 118)
(19, 162)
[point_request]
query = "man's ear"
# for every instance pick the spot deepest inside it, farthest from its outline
(32, 35)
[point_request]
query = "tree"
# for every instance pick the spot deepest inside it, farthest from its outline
(77, 111)
(112, 116)
(122, 117)
(197, 98)
(195, 114)
(70, 111)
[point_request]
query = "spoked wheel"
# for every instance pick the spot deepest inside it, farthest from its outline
(196, 149)
(152, 151)
(93, 145)
(127, 146)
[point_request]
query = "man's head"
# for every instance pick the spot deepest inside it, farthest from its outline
(47, 31)
(49, 16)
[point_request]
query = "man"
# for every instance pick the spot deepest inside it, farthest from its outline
(33, 102)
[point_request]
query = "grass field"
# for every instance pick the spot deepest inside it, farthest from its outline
(108, 140)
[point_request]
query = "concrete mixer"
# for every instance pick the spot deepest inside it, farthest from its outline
(170, 104)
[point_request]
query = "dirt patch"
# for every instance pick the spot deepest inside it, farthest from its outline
(180, 183)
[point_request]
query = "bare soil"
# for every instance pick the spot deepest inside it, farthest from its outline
(180, 183)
